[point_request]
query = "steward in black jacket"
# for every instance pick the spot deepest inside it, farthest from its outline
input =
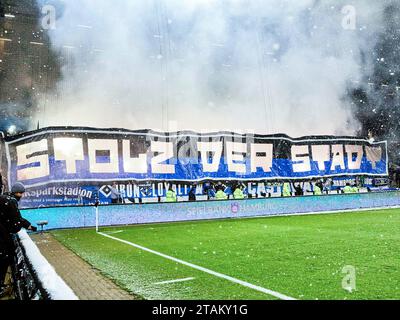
(11, 222)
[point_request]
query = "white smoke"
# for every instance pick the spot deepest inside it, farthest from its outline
(265, 66)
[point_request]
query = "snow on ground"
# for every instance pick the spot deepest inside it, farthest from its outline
(51, 281)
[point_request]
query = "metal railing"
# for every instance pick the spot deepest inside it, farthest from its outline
(26, 284)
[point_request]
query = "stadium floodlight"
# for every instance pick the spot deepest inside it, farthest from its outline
(12, 130)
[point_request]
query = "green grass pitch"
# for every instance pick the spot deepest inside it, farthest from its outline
(299, 256)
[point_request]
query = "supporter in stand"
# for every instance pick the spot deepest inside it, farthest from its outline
(318, 188)
(347, 188)
(320, 184)
(209, 190)
(327, 185)
(220, 186)
(221, 195)
(355, 188)
(298, 189)
(11, 222)
(238, 194)
(115, 194)
(171, 195)
(192, 193)
(286, 192)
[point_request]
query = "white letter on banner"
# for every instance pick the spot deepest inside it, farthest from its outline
(69, 150)
(250, 188)
(133, 165)
(337, 157)
(264, 162)
(350, 150)
(166, 150)
(301, 159)
(109, 145)
(320, 154)
(237, 147)
(25, 157)
(206, 147)
(374, 155)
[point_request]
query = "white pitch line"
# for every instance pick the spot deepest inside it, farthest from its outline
(174, 281)
(214, 273)
(113, 232)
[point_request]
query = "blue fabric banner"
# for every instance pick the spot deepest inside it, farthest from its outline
(72, 166)
(82, 155)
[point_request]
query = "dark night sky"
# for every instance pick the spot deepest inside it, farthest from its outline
(378, 107)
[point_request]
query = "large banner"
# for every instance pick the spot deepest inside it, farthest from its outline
(65, 161)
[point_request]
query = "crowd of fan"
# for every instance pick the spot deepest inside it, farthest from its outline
(237, 190)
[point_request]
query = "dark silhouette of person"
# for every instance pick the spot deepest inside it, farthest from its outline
(298, 189)
(11, 222)
(192, 193)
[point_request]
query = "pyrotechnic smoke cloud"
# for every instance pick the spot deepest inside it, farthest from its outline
(268, 66)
